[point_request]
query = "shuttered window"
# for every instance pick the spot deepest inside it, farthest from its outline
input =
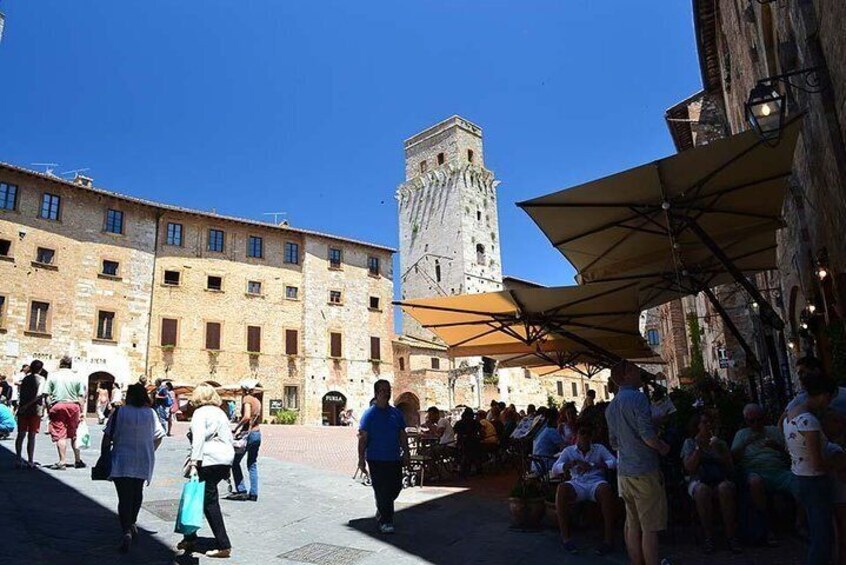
(169, 332)
(436, 363)
(575, 389)
(335, 349)
(213, 336)
(375, 348)
(560, 388)
(253, 339)
(38, 317)
(291, 342)
(105, 325)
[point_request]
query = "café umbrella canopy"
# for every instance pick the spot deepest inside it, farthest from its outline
(587, 317)
(697, 201)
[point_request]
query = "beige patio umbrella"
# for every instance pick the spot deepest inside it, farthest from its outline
(690, 204)
(597, 318)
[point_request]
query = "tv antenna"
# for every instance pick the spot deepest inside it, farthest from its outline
(75, 172)
(275, 216)
(48, 167)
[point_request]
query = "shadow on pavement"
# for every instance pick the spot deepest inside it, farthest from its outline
(46, 520)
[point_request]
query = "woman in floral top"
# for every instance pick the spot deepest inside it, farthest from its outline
(805, 442)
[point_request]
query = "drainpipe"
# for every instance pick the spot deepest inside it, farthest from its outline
(152, 294)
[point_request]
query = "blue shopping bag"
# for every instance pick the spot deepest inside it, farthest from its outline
(189, 518)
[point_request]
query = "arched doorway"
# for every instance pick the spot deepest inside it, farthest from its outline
(333, 404)
(409, 405)
(94, 380)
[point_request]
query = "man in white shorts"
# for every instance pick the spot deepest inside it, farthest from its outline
(587, 463)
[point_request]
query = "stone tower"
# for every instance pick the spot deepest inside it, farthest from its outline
(448, 224)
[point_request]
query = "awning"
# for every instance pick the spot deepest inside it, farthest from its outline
(725, 189)
(584, 318)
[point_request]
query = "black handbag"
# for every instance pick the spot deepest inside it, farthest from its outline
(103, 468)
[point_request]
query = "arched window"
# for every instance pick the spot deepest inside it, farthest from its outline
(401, 364)
(470, 155)
(480, 254)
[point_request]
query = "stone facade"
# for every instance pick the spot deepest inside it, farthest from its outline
(169, 293)
(73, 285)
(738, 46)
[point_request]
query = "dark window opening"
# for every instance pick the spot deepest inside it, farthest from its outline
(214, 283)
(45, 256)
(470, 155)
(437, 271)
(334, 258)
(292, 253)
(488, 366)
(480, 254)
(575, 389)
(171, 278)
(291, 398)
(255, 247)
(560, 386)
(114, 221)
(38, 317)
(335, 349)
(440, 158)
(436, 363)
(291, 292)
(8, 196)
(374, 302)
(50, 207)
(253, 287)
(110, 268)
(375, 349)
(373, 266)
(5, 247)
(335, 296)
(423, 166)
(402, 364)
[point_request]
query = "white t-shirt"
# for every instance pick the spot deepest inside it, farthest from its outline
(16, 385)
(596, 454)
(117, 395)
(797, 445)
(448, 437)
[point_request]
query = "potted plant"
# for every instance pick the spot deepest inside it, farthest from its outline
(526, 505)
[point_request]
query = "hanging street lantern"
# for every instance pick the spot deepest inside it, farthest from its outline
(766, 106)
(765, 112)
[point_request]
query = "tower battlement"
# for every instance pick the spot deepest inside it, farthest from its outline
(453, 141)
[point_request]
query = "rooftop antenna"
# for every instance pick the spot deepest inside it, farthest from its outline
(74, 172)
(275, 216)
(48, 167)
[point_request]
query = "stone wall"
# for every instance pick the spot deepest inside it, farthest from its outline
(74, 285)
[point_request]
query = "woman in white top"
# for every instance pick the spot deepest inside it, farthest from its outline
(134, 433)
(812, 485)
(210, 460)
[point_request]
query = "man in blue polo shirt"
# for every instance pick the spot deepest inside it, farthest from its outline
(383, 448)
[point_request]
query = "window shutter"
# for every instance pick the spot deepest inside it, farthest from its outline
(291, 342)
(375, 348)
(335, 345)
(169, 326)
(253, 339)
(213, 335)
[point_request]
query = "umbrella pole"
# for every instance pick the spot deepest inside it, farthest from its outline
(751, 358)
(768, 314)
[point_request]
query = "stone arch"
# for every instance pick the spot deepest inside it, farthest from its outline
(94, 380)
(334, 403)
(409, 404)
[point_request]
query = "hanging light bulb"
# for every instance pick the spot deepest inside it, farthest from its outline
(812, 308)
(822, 273)
(804, 325)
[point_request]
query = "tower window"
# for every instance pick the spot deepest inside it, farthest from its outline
(437, 271)
(653, 337)
(478, 215)
(480, 254)
(423, 166)
(440, 159)
(469, 155)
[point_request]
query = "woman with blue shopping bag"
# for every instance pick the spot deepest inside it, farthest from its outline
(127, 457)
(209, 463)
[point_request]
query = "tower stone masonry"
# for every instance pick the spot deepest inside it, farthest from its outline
(448, 224)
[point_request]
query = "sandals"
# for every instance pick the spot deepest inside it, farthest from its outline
(56, 467)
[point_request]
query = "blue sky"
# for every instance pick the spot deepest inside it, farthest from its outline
(302, 107)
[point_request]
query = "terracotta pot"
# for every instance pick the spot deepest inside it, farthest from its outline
(552, 515)
(535, 510)
(519, 513)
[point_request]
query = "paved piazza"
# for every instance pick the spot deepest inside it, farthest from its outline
(309, 511)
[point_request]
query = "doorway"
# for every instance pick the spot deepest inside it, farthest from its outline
(333, 404)
(94, 382)
(409, 405)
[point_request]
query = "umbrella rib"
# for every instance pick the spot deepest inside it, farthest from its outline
(456, 324)
(602, 328)
(527, 204)
(475, 337)
(612, 247)
(734, 213)
(445, 309)
(588, 298)
(603, 227)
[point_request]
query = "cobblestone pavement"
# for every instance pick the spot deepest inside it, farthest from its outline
(309, 511)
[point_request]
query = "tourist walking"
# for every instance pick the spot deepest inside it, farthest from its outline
(162, 402)
(249, 425)
(638, 447)
(133, 433)
(30, 412)
(102, 402)
(117, 396)
(67, 401)
(805, 442)
(382, 449)
(210, 460)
